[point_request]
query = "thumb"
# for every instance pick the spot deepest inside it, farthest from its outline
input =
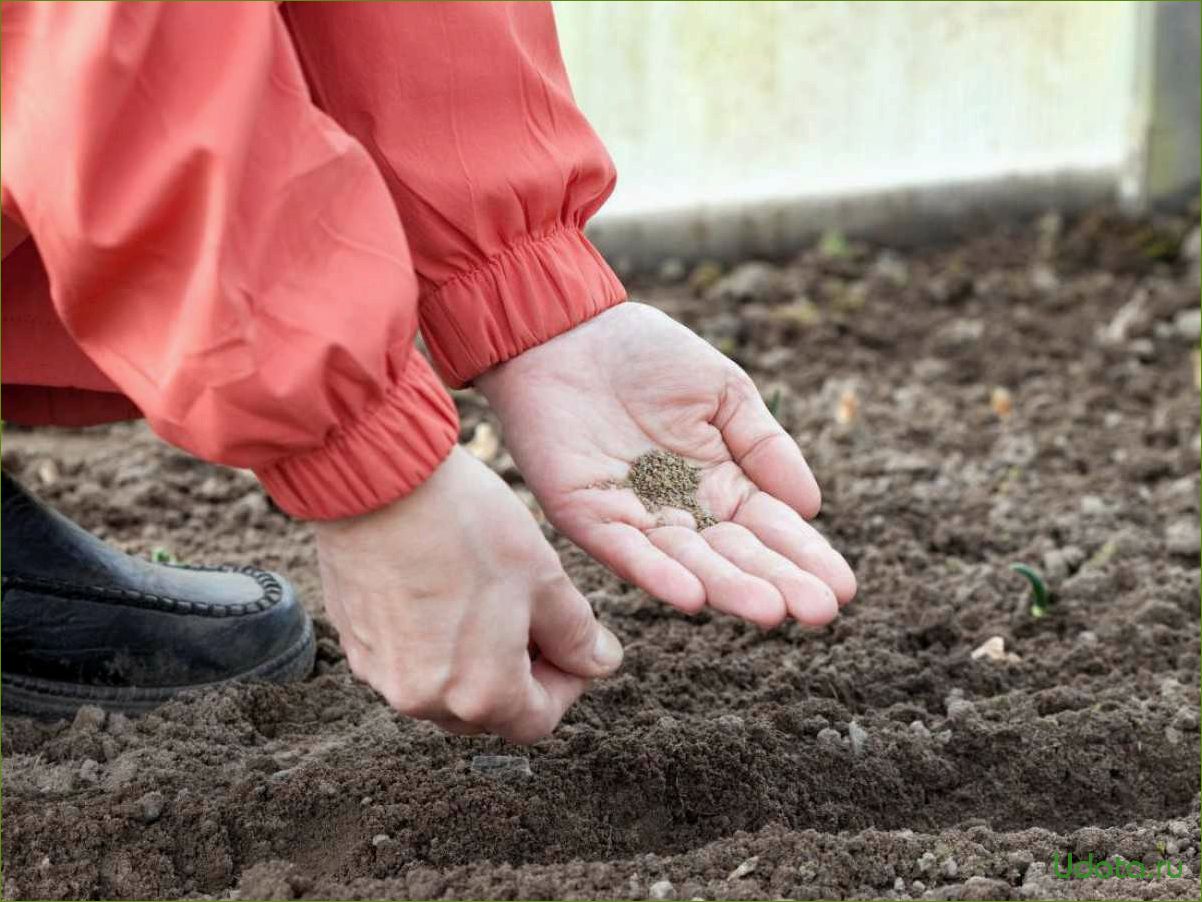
(568, 635)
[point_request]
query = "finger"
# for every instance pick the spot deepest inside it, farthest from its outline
(549, 693)
(727, 588)
(627, 551)
(567, 633)
(456, 727)
(808, 599)
(766, 453)
(780, 528)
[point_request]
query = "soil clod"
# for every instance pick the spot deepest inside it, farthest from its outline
(150, 807)
(747, 867)
(662, 889)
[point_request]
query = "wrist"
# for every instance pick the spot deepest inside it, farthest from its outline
(604, 328)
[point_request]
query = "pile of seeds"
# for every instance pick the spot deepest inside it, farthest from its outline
(663, 479)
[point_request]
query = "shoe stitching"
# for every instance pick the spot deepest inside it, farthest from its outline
(273, 592)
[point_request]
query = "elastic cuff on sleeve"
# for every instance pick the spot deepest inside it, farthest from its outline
(519, 299)
(371, 462)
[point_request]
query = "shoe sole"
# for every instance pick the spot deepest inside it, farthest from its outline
(48, 699)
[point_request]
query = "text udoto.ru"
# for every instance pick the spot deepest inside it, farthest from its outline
(1066, 868)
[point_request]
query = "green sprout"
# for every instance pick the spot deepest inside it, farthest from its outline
(161, 555)
(774, 404)
(1041, 598)
(833, 244)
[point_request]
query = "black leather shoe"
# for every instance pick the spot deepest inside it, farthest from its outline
(84, 624)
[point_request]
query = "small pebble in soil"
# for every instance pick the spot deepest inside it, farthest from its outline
(858, 736)
(747, 867)
(993, 649)
(1061, 562)
(1191, 245)
(88, 719)
(830, 736)
(110, 748)
(1188, 324)
(89, 771)
(1183, 537)
(501, 766)
(1001, 401)
(672, 270)
(379, 839)
(662, 889)
(731, 723)
(751, 281)
(663, 479)
(47, 472)
(1170, 687)
(960, 709)
(151, 807)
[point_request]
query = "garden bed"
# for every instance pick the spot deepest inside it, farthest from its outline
(1026, 395)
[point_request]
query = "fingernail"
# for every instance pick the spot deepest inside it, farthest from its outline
(607, 651)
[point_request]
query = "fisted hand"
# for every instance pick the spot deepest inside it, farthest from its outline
(440, 597)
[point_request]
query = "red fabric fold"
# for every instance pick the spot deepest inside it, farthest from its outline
(383, 455)
(517, 300)
(241, 248)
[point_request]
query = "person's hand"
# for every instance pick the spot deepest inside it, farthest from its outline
(440, 598)
(579, 409)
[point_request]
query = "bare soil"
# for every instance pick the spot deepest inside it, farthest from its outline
(1027, 394)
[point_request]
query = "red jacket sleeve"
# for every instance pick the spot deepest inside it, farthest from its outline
(222, 250)
(467, 109)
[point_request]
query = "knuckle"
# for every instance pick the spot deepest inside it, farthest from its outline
(405, 703)
(480, 701)
(412, 697)
(739, 385)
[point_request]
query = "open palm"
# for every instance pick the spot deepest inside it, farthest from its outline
(581, 408)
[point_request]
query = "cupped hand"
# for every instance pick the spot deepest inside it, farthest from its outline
(580, 409)
(440, 597)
